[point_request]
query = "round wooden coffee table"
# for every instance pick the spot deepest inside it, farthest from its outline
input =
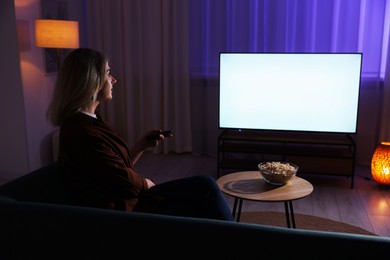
(250, 185)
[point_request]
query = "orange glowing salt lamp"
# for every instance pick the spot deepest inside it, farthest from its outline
(380, 164)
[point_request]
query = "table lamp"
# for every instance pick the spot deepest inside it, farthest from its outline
(58, 34)
(380, 164)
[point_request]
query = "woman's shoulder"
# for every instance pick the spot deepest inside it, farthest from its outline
(78, 120)
(82, 124)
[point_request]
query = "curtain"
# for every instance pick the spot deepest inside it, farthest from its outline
(384, 134)
(288, 26)
(147, 45)
(165, 54)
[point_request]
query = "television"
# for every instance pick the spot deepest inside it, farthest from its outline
(308, 92)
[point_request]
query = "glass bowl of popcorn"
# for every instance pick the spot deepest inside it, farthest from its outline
(277, 172)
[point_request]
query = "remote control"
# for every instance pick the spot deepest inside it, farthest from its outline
(167, 133)
(156, 135)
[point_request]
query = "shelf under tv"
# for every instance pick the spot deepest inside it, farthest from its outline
(314, 153)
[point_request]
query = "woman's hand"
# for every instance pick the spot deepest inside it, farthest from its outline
(153, 138)
(156, 136)
(149, 140)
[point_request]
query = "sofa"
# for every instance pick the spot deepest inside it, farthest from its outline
(37, 221)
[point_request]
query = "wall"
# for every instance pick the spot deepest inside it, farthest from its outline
(25, 135)
(13, 138)
(37, 86)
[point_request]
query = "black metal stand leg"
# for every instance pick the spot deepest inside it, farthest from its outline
(234, 207)
(237, 209)
(292, 214)
(289, 214)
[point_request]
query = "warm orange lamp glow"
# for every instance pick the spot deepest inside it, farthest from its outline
(57, 34)
(380, 164)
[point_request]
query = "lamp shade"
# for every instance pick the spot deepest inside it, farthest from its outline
(60, 34)
(380, 164)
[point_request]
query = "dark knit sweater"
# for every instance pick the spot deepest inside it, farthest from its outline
(96, 164)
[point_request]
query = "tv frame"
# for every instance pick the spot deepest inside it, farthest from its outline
(360, 54)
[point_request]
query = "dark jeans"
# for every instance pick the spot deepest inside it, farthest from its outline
(197, 196)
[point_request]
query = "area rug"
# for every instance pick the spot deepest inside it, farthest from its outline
(302, 221)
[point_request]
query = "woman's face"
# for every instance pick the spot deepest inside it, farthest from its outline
(108, 82)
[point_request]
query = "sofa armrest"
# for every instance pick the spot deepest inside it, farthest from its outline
(42, 185)
(38, 230)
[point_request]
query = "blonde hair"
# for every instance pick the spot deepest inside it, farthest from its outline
(78, 82)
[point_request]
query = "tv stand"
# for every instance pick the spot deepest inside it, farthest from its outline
(314, 153)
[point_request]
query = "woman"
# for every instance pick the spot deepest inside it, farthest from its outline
(96, 163)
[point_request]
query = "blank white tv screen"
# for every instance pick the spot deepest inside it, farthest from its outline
(315, 92)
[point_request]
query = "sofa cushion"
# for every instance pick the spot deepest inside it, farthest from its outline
(42, 185)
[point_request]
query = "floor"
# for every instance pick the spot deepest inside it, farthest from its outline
(367, 205)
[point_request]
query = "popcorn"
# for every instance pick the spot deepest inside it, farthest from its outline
(277, 167)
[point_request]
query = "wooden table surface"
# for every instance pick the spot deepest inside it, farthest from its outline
(250, 185)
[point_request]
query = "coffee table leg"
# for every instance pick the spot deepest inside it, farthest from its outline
(292, 214)
(289, 214)
(234, 207)
(237, 209)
